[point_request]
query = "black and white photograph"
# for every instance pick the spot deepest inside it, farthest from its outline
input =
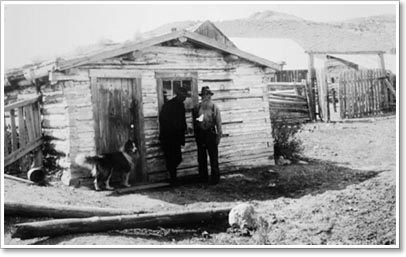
(200, 124)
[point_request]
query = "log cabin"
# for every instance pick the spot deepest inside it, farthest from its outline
(93, 102)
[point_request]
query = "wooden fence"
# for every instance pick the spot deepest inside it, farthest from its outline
(22, 130)
(365, 93)
(288, 102)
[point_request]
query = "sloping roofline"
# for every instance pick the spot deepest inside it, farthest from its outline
(38, 71)
(195, 37)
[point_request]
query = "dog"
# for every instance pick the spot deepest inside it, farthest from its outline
(102, 166)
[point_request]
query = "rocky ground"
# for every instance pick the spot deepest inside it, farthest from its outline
(343, 194)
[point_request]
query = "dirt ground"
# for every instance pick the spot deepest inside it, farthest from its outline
(344, 195)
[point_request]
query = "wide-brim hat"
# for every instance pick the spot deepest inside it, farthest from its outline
(206, 91)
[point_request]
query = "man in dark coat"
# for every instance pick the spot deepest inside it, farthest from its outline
(208, 132)
(172, 124)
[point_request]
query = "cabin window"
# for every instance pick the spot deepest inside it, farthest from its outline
(169, 87)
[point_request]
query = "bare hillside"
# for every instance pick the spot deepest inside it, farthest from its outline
(369, 33)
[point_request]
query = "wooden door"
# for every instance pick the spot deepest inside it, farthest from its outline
(117, 107)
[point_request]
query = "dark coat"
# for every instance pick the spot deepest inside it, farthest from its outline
(172, 122)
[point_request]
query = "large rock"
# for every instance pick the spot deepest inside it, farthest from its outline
(243, 216)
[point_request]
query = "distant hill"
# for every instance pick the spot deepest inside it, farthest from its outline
(369, 33)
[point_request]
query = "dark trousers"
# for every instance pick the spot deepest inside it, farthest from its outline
(206, 143)
(173, 157)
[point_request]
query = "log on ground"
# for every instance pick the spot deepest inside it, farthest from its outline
(60, 211)
(100, 224)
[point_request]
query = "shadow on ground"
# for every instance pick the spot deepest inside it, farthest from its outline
(266, 183)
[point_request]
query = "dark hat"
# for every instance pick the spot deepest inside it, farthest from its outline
(181, 91)
(206, 91)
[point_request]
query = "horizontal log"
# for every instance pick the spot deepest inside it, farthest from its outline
(60, 211)
(170, 67)
(100, 224)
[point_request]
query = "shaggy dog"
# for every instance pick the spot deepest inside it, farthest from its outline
(102, 166)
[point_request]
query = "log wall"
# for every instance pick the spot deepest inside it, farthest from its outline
(68, 123)
(240, 93)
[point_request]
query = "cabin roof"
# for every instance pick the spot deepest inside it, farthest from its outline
(205, 34)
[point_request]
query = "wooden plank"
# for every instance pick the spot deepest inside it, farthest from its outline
(22, 151)
(141, 187)
(310, 87)
(176, 74)
(390, 87)
(115, 73)
(30, 122)
(20, 103)
(356, 95)
(368, 93)
(14, 142)
(281, 102)
(21, 127)
(95, 101)
(140, 125)
(322, 95)
(38, 118)
(308, 102)
(7, 176)
(36, 126)
(295, 97)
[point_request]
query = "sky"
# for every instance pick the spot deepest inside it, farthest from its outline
(34, 31)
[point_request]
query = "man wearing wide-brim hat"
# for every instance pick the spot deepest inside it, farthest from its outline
(208, 132)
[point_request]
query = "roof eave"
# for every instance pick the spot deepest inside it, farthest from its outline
(232, 50)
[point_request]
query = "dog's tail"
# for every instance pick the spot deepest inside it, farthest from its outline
(87, 162)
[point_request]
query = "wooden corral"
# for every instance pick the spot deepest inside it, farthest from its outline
(365, 93)
(94, 102)
(330, 95)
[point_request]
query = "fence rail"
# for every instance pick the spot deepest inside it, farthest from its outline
(365, 93)
(22, 129)
(288, 102)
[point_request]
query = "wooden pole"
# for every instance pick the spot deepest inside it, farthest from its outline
(99, 224)
(18, 179)
(59, 211)
(310, 80)
(382, 62)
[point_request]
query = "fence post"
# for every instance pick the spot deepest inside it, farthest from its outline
(310, 79)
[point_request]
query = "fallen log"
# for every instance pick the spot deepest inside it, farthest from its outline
(100, 224)
(60, 211)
